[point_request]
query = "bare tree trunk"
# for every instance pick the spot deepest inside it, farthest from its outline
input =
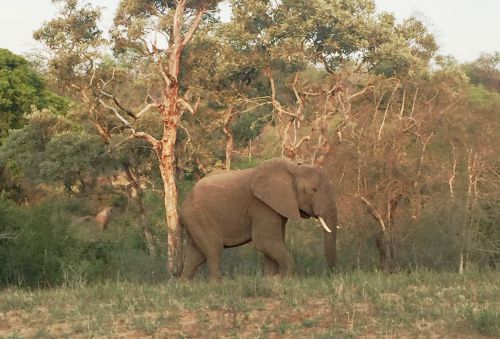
(461, 265)
(174, 227)
(383, 240)
(229, 137)
(384, 246)
(468, 231)
(166, 156)
(171, 116)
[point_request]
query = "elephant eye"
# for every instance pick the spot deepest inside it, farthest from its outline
(315, 189)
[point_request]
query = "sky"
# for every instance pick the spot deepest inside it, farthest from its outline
(463, 28)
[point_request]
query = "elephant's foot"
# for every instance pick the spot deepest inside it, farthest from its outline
(271, 267)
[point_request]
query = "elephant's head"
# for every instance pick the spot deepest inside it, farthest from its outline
(299, 191)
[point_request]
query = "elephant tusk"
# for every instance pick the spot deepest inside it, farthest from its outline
(323, 223)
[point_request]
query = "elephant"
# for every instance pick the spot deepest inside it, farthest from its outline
(231, 208)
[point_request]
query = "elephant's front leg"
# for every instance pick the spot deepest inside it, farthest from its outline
(276, 250)
(271, 267)
(267, 237)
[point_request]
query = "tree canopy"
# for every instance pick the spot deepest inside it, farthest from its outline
(22, 88)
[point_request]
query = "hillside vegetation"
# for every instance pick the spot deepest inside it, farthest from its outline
(129, 120)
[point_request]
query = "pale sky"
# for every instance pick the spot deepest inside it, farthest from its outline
(464, 28)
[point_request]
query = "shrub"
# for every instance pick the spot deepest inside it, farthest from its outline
(39, 245)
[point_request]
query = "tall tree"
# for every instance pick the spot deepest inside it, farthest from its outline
(161, 31)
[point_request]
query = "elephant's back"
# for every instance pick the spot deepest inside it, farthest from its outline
(217, 191)
(225, 179)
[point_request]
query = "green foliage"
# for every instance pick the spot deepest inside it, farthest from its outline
(135, 19)
(21, 89)
(332, 33)
(249, 126)
(400, 49)
(70, 156)
(481, 98)
(485, 71)
(38, 247)
(73, 39)
(46, 246)
(51, 148)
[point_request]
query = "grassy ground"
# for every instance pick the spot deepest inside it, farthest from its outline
(353, 304)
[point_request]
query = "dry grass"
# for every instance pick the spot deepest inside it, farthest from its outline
(354, 304)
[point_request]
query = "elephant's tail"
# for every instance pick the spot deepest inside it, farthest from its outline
(180, 257)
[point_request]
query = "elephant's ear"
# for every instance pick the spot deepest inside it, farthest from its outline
(274, 185)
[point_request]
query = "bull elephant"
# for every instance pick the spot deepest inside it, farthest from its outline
(231, 208)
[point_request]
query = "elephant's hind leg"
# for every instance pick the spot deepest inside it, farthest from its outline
(210, 245)
(194, 259)
(213, 252)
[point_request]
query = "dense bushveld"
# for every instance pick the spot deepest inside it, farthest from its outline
(49, 246)
(408, 137)
(91, 283)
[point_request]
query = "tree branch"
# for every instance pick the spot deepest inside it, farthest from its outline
(373, 212)
(363, 91)
(118, 115)
(386, 110)
(188, 106)
(301, 141)
(8, 235)
(275, 102)
(141, 135)
(300, 102)
(194, 26)
(117, 103)
(159, 62)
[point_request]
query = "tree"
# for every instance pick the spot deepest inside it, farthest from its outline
(22, 88)
(139, 28)
(54, 150)
(175, 23)
(485, 71)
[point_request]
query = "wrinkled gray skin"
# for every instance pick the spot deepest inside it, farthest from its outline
(231, 208)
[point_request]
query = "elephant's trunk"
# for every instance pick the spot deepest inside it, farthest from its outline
(330, 239)
(324, 209)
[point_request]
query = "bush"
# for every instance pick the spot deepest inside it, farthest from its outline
(38, 246)
(43, 246)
